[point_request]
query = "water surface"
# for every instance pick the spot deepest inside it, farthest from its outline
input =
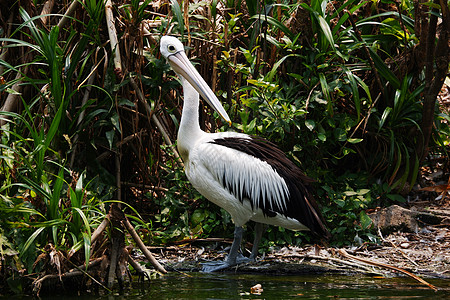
(237, 286)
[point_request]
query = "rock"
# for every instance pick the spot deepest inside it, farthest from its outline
(404, 245)
(395, 218)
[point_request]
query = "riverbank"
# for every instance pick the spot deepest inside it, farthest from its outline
(419, 248)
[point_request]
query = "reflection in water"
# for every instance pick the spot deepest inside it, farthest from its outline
(237, 286)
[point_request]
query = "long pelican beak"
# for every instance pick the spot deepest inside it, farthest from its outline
(181, 64)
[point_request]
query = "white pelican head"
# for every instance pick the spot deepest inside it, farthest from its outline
(172, 49)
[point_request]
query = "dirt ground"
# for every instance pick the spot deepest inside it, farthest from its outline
(418, 248)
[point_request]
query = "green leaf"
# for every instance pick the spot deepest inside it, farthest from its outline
(110, 138)
(350, 193)
(322, 137)
(365, 220)
(178, 15)
(31, 240)
(326, 30)
(340, 134)
(383, 119)
(363, 191)
(56, 195)
(13, 92)
(115, 122)
(396, 198)
(326, 91)
(272, 72)
(87, 248)
(384, 70)
(340, 202)
(354, 140)
(274, 22)
(310, 124)
(355, 92)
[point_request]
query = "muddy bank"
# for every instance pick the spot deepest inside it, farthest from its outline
(416, 240)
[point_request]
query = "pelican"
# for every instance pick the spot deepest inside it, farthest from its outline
(248, 176)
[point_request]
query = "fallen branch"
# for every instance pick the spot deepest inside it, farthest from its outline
(143, 248)
(331, 259)
(190, 241)
(381, 265)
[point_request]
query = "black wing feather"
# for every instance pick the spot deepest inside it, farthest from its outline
(301, 204)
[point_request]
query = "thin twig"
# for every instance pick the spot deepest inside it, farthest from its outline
(331, 259)
(77, 271)
(90, 79)
(366, 51)
(155, 120)
(386, 266)
(396, 248)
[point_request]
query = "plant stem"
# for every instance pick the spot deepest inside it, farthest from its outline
(113, 38)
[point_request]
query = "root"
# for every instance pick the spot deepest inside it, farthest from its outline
(111, 265)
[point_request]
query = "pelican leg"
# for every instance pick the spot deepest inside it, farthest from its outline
(232, 258)
(259, 230)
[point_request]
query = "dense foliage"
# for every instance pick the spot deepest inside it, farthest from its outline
(347, 88)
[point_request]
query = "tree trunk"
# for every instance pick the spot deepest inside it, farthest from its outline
(437, 57)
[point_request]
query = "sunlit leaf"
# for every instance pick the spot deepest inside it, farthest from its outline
(310, 124)
(365, 220)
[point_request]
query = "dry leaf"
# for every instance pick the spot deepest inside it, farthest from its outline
(256, 289)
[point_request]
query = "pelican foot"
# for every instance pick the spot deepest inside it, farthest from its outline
(214, 266)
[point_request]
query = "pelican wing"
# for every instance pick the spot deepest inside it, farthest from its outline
(245, 175)
(255, 169)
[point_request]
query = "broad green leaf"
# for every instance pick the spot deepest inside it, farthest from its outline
(326, 30)
(322, 137)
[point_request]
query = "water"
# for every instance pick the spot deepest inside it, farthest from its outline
(237, 286)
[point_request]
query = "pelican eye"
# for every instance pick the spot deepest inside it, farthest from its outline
(171, 49)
